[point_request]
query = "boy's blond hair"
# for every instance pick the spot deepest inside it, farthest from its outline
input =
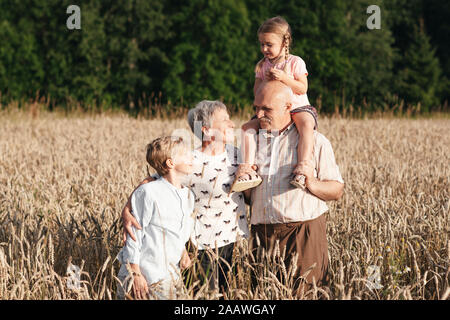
(162, 149)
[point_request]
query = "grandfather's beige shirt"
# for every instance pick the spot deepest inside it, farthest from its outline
(275, 200)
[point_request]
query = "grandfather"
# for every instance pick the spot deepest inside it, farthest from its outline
(279, 211)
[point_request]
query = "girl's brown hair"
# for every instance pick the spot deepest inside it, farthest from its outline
(279, 26)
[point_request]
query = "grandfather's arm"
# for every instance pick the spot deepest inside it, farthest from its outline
(326, 190)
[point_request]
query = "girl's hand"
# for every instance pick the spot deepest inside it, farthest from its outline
(140, 287)
(278, 74)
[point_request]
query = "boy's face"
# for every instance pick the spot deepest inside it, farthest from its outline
(183, 160)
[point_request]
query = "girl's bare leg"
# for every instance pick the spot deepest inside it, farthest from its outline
(248, 151)
(305, 123)
(248, 141)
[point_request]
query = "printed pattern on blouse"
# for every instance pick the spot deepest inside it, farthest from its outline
(220, 216)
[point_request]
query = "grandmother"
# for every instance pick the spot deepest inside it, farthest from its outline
(220, 218)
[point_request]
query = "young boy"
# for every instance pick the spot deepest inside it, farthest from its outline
(164, 210)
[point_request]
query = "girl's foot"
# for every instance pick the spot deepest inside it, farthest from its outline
(246, 181)
(299, 181)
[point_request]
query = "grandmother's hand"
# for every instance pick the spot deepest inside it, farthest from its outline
(185, 261)
(246, 169)
(129, 221)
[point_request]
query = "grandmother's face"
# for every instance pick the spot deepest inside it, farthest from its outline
(221, 126)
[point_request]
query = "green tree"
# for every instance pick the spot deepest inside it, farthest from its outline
(127, 52)
(420, 75)
(409, 84)
(29, 63)
(210, 56)
(21, 71)
(436, 13)
(344, 58)
(121, 53)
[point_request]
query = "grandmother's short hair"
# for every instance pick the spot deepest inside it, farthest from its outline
(200, 115)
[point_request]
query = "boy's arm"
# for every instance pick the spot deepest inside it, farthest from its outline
(143, 207)
(128, 219)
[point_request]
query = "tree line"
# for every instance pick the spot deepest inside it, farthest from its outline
(134, 54)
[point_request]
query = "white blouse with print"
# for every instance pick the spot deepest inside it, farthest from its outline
(220, 216)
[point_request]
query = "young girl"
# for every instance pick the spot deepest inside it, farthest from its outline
(275, 38)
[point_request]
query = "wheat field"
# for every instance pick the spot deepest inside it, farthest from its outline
(64, 181)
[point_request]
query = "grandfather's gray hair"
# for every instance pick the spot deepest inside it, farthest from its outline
(200, 115)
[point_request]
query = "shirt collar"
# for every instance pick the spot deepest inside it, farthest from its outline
(283, 132)
(171, 186)
(278, 63)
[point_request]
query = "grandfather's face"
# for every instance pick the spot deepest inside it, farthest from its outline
(272, 108)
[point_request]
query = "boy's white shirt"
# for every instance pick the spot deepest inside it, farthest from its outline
(165, 215)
